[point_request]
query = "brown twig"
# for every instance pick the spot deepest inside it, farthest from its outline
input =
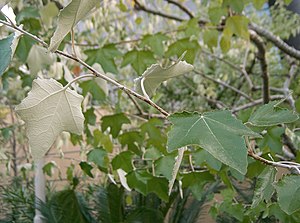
(261, 55)
(182, 7)
(256, 102)
(138, 6)
(276, 41)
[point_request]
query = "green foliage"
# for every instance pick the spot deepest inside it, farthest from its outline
(5, 49)
(155, 161)
(211, 132)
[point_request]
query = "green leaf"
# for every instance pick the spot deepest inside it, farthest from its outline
(272, 139)
(139, 60)
(145, 183)
(114, 122)
(48, 168)
(264, 186)
(164, 165)
(211, 38)
(155, 75)
(180, 46)
(101, 139)
(215, 14)
(237, 25)
(91, 86)
(105, 56)
(195, 181)
(89, 116)
(132, 140)
(5, 52)
(155, 42)
(99, 157)
(271, 114)
(86, 168)
(258, 4)
(68, 17)
(26, 13)
(123, 161)
(145, 215)
(23, 48)
(212, 131)
(236, 5)
(288, 193)
(202, 157)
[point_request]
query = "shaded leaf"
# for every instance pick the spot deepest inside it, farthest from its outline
(180, 46)
(132, 140)
(5, 52)
(164, 165)
(99, 157)
(123, 161)
(48, 110)
(68, 17)
(271, 114)
(91, 86)
(272, 139)
(212, 131)
(139, 60)
(114, 122)
(105, 56)
(203, 157)
(155, 42)
(288, 193)
(86, 168)
(264, 187)
(101, 139)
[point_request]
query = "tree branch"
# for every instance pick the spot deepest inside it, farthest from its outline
(138, 6)
(261, 55)
(276, 41)
(182, 7)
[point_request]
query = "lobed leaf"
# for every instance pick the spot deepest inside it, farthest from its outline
(5, 52)
(48, 110)
(219, 133)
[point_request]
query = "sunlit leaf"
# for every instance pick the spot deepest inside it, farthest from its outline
(156, 74)
(68, 18)
(155, 42)
(114, 122)
(48, 110)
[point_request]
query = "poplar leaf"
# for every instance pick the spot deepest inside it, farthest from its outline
(219, 133)
(156, 74)
(48, 110)
(68, 18)
(271, 114)
(5, 52)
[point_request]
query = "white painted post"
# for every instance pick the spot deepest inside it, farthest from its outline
(39, 188)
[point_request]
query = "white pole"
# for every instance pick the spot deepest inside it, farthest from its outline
(39, 188)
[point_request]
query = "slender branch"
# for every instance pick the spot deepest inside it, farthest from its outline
(290, 165)
(276, 41)
(287, 83)
(78, 78)
(138, 6)
(94, 71)
(261, 55)
(182, 7)
(256, 102)
(225, 85)
(138, 107)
